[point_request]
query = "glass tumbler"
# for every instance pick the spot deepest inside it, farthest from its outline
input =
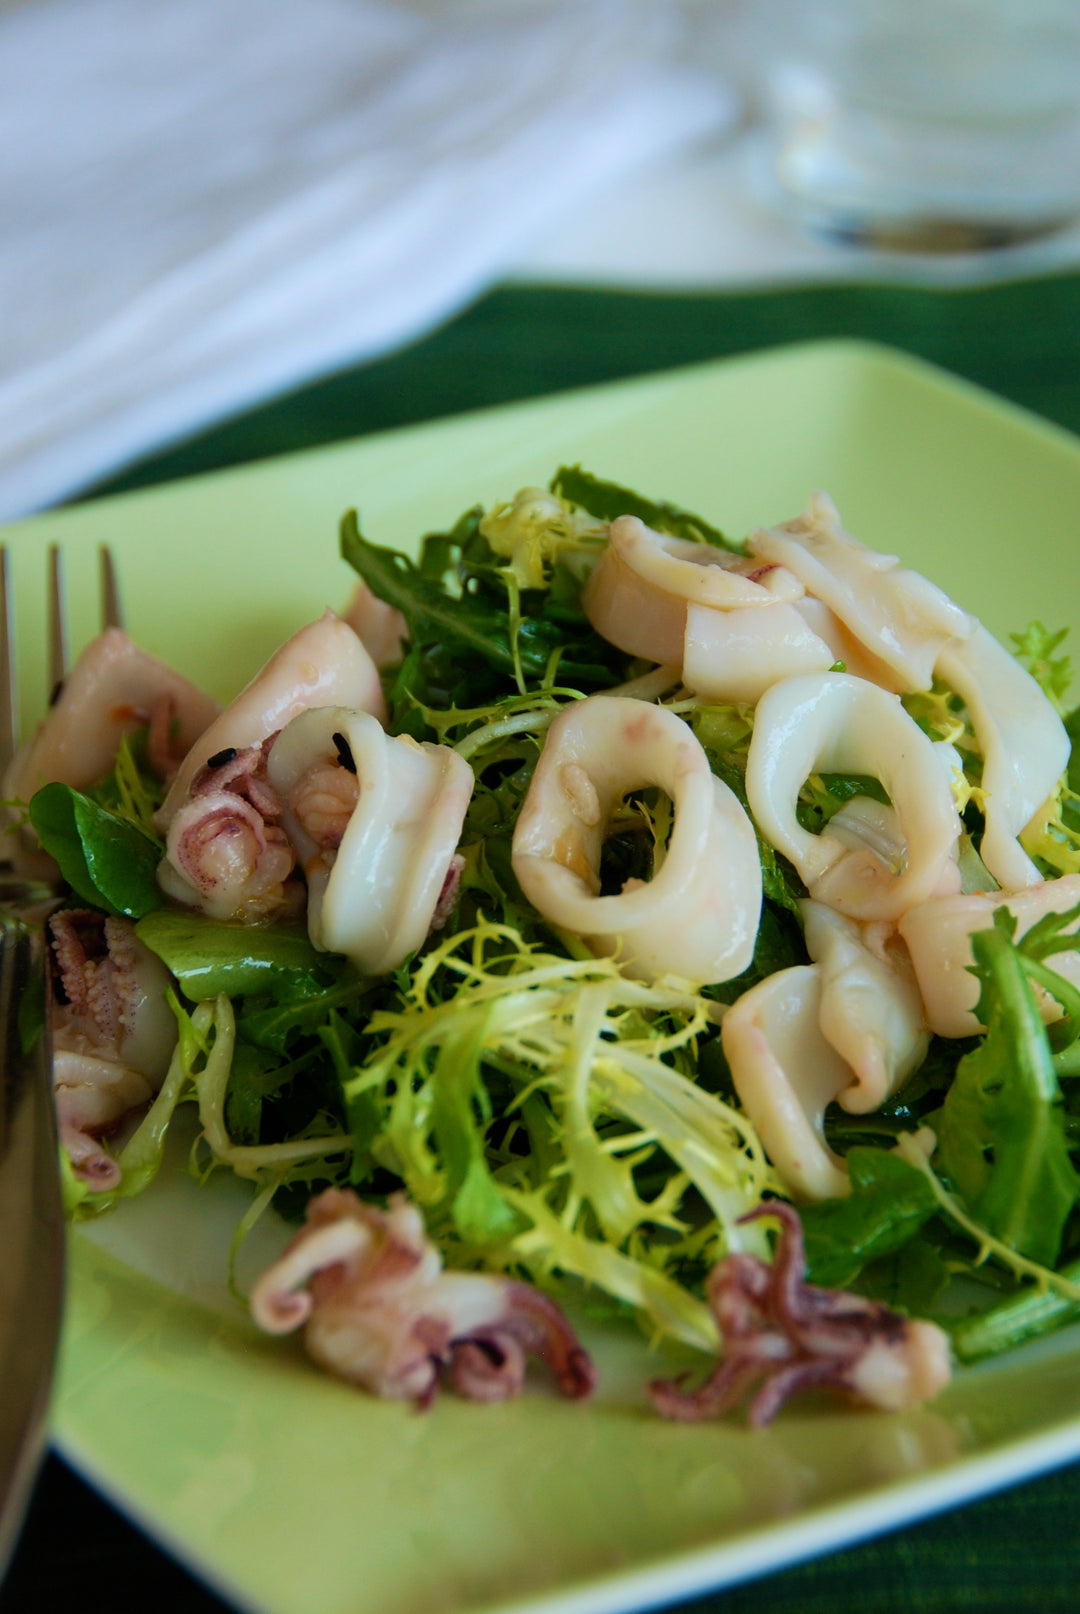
(925, 124)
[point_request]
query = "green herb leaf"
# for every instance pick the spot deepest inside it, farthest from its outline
(207, 957)
(473, 625)
(888, 1204)
(104, 858)
(1001, 1130)
(609, 500)
(1034, 650)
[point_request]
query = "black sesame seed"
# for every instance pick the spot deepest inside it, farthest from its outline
(57, 691)
(220, 758)
(344, 752)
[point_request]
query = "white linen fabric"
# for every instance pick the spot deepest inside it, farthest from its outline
(204, 202)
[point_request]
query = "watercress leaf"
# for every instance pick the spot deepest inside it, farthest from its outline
(608, 500)
(208, 957)
(888, 1204)
(105, 859)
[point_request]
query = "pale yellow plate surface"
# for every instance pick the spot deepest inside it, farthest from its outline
(295, 1495)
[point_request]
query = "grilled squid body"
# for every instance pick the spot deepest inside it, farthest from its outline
(833, 722)
(698, 916)
(938, 936)
(113, 689)
(645, 582)
(113, 1034)
(226, 852)
(898, 616)
(847, 1028)
(381, 628)
(375, 822)
(909, 633)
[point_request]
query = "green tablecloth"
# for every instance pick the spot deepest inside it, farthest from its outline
(1016, 1551)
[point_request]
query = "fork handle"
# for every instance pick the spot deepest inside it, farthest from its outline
(31, 1220)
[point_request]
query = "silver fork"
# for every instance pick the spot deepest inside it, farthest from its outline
(32, 1257)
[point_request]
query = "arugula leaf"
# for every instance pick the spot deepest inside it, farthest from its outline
(207, 957)
(1001, 1129)
(608, 500)
(105, 859)
(473, 625)
(889, 1202)
(1025, 1315)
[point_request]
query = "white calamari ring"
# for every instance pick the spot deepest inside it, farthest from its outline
(833, 722)
(870, 1009)
(698, 916)
(1024, 746)
(938, 935)
(324, 664)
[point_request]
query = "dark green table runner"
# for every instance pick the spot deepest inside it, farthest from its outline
(1016, 1551)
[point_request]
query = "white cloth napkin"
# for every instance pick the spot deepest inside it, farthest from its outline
(203, 202)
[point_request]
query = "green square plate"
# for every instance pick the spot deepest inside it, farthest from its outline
(292, 1493)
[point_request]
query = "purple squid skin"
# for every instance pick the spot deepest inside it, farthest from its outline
(783, 1335)
(379, 1310)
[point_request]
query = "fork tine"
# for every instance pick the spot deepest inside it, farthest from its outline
(57, 651)
(112, 615)
(9, 706)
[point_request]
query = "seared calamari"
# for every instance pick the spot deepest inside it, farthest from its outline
(780, 1335)
(938, 935)
(833, 722)
(698, 916)
(113, 690)
(847, 1028)
(375, 822)
(113, 1034)
(912, 633)
(378, 1309)
(226, 852)
(897, 615)
(645, 582)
